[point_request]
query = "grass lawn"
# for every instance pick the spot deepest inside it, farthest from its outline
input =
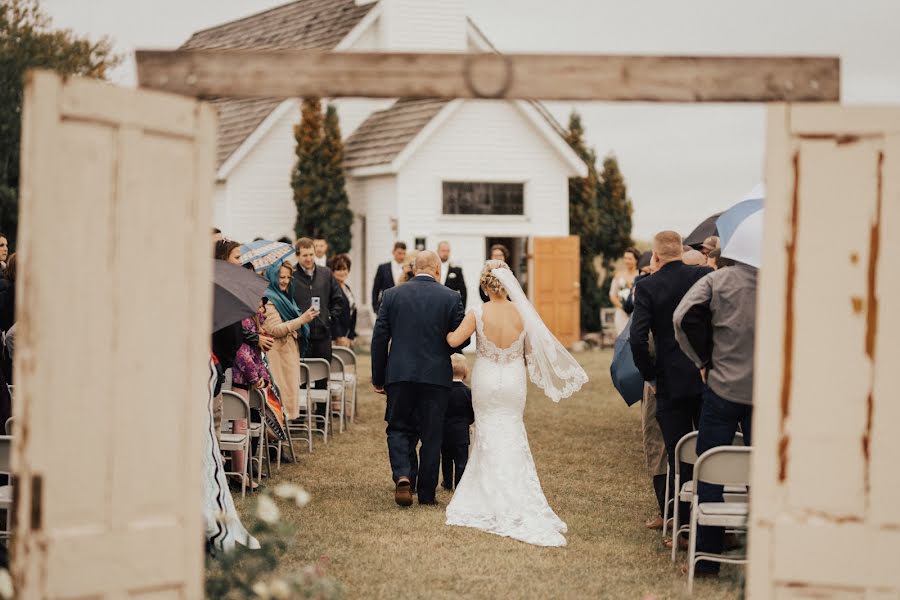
(590, 460)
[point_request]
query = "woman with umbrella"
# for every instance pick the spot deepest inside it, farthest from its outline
(286, 324)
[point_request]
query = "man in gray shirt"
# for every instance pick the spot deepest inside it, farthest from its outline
(715, 327)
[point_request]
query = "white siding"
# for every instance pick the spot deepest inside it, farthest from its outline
(437, 25)
(377, 198)
(483, 141)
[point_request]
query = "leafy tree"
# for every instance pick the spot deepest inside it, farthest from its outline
(28, 41)
(584, 221)
(318, 179)
(615, 217)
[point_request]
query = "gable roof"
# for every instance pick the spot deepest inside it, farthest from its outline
(387, 132)
(299, 25)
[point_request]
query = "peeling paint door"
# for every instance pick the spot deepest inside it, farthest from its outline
(826, 484)
(556, 285)
(113, 326)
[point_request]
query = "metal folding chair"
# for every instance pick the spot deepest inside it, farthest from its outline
(348, 358)
(318, 369)
(234, 407)
(6, 491)
(258, 431)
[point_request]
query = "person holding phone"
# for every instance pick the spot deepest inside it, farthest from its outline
(286, 324)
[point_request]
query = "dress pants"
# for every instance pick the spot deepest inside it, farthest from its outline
(454, 453)
(416, 409)
(677, 418)
(718, 424)
(654, 445)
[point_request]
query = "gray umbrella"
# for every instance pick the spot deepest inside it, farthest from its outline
(237, 293)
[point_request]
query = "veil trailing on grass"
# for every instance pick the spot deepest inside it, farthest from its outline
(550, 366)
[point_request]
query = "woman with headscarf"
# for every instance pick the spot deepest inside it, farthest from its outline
(287, 325)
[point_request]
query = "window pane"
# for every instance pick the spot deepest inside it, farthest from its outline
(477, 198)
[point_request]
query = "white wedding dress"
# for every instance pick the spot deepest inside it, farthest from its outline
(500, 492)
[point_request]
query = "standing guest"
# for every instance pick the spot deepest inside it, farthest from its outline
(226, 341)
(711, 259)
(388, 274)
(312, 281)
(677, 379)
(286, 324)
(498, 252)
(709, 244)
(459, 416)
(451, 276)
(343, 330)
(715, 325)
(8, 305)
(621, 285)
(4, 250)
(694, 258)
(320, 248)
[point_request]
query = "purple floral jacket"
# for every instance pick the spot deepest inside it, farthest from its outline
(249, 366)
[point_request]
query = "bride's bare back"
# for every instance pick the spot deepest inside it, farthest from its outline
(502, 323)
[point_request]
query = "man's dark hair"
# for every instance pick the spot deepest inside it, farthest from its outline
(303, 242)
(285, 240)
(399, 245)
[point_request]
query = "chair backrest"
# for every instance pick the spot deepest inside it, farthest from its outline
(337, 364)
(6, 454)
(234, 407)
(686, 449)
(724, 465)
(8, 428)
(347, 356)
(319, 368)
(304, 374)
(12, 390)
(257, 399)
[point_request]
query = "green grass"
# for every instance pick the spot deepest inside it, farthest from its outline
(590, 460)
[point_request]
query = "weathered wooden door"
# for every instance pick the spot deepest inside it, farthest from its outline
(556, 287)
(826, 482)
(113, 326)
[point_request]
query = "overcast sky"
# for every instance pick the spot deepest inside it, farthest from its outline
(681, 162)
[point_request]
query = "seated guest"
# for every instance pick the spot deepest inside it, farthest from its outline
(459, 415)
(714, 325)
(343, 331)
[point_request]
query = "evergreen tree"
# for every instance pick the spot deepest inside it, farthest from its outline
(584, 221)
(28, 41)
(615, 218)
(318, 178)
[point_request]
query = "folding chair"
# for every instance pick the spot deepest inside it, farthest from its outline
(6, 491)
(234, 407)
(297, 425)
(337, 384)
(316, 370)
(9, 425)
(348, 357)
(257, 432)
(726, 466)
(686, 452)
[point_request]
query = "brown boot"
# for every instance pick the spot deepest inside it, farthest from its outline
(655, 523)
(403, 492)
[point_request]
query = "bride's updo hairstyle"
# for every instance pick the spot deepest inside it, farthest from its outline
(489, 283)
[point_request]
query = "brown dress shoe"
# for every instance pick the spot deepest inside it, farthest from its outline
(655, 523)
(403, 492)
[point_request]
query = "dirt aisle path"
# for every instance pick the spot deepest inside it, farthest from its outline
(589, 458)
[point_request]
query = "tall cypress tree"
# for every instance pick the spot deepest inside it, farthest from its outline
(336, 229)
(584, 221)
(307, 179)
(615, 217)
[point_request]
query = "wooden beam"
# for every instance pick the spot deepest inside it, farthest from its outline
(284, 74)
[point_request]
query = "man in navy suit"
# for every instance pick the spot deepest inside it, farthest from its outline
(411, 363)
(388, 275)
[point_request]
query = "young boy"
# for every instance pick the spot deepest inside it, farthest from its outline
(459, 415)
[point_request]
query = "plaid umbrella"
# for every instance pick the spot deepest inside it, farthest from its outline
(262, 254)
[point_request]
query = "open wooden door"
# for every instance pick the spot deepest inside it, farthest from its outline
(113, 326)
(826, 483)
(556, 288)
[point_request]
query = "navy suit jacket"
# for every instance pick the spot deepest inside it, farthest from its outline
(655, 300)
(384, 280)
(409, 343)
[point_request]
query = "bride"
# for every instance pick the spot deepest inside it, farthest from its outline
(499, 491)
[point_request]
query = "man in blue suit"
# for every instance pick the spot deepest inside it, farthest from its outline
(411, 364)
(388, 274)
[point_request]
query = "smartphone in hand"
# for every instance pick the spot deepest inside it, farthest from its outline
(317, 303)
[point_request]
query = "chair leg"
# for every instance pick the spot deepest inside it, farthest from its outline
(692, 547)
(666, 508)
(676, 494)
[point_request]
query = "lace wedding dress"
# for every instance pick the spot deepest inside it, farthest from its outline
(500, 492)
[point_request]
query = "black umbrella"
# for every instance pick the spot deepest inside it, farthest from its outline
(237, 293)
(703, 231)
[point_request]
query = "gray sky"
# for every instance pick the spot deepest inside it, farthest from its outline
(681, 162)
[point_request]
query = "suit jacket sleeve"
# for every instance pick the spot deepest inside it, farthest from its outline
(470, 411)
(376, 288)
(381, 337)
(336, 301)
(456, 317)
(462, 288)
(640, 335)
(693, 323)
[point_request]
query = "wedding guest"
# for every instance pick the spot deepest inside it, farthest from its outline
(320, 247)
(459, 416)
(4, 250)
(715, 325)
(344, 329)
(312, 281)
(216, 237)
(451, 276)
(621, 286)
(694, 258)
(388, 274)
(498, 252)
(285, 323)
(711, 259)
(709, 244)
(678, 383)
(226, 341)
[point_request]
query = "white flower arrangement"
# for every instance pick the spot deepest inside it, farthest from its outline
(292, 491)
(267, 511)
